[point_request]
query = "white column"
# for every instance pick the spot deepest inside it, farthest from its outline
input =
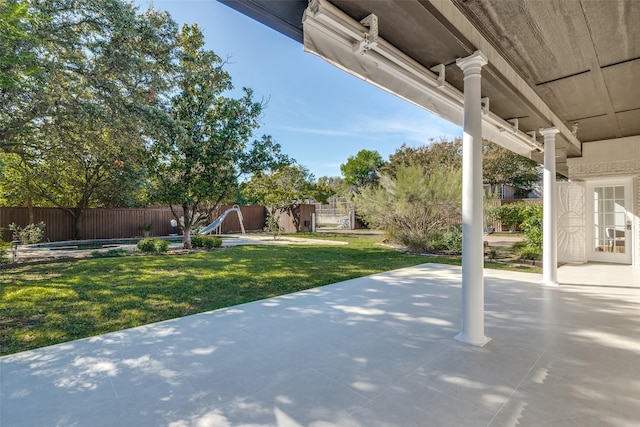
(549, 209)
(472, 329)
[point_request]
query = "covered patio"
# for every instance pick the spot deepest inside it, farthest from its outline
(553, 81)
(550, 80)
(373, 351)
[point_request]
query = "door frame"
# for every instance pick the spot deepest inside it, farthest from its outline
(609, 257)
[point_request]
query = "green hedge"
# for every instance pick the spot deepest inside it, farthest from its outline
(152, 245)
(207, 242)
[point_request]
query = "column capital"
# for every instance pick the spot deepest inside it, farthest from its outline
(549, 131)
(473, 63)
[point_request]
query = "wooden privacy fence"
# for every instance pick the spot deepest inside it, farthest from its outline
(117, 223)
(254, 218)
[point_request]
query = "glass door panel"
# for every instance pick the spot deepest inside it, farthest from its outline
(610, 223)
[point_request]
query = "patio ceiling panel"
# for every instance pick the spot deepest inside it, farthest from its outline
(614, 29)
(537, 38)
(579, 56)
(617, 79)
(596, 127)
(629, 122)
(575, 99)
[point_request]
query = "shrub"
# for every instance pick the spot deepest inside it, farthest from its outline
(196, 241)
(452, 238)
(519, 245)
(532, 228)
(153, 245)
(530, 253)
(32, 233)
(146, 229)
(207, 242)
(414, 205)
(510, 214)
(415, 243)
(3, 252)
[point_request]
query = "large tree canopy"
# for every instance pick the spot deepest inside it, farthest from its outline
(104, 105)
(18, 66)
(204, 148)
(362, 169)
(502, 166)
(437, 153)
(79, 122)
(499, 165)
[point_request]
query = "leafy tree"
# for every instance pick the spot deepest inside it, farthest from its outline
(281, 191)
(510, 214)
(201, 152)
(14, 183)
(413, 205)
(502, 166)
(327, 186)
(362, 169)
(18, 65)
(105, 46)
(17, 55)
(81, 124)
(440, 153)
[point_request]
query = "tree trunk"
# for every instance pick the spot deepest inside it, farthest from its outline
(78, 222)
(186, 237)
(186, 232)
(32, 217)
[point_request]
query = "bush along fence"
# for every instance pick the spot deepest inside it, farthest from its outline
(114, 223)
(506, 215)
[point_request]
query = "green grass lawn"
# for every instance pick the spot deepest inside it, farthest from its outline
(44, 304)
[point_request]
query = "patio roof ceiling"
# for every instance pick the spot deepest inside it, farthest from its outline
(575, 62)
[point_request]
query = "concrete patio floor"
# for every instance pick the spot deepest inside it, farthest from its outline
(374, 351)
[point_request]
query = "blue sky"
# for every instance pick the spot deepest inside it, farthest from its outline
(319, 114)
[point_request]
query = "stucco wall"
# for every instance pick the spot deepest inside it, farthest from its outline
(609, 158)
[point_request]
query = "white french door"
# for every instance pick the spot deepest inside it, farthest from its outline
(609, 236)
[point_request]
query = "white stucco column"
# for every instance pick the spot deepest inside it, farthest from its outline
(549, 220)
(472, 329)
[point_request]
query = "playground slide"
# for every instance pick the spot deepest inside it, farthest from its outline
(218, 221)
(211, 227)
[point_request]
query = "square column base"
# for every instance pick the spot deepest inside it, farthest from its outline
(549, 283)
(463, 338)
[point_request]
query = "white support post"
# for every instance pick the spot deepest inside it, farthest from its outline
(472, 329)
(549, 209)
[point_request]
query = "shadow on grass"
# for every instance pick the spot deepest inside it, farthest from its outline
(46, 304)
